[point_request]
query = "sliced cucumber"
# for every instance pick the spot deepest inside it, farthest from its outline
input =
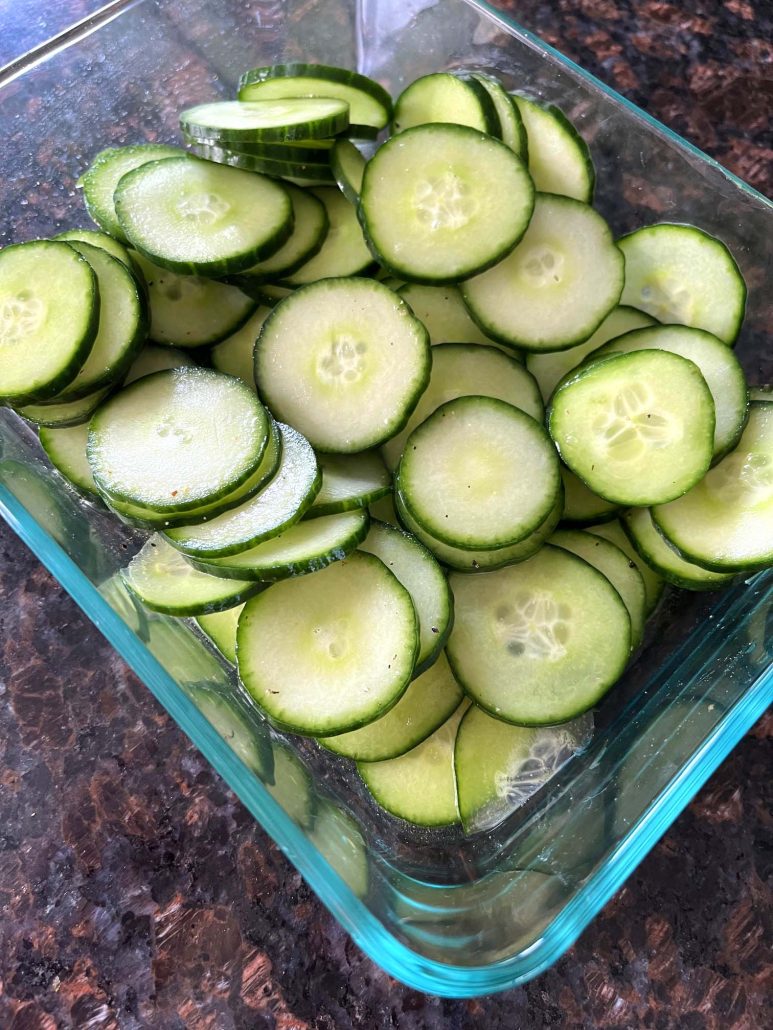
(49, 314)
(441, 203)
(419, 786)
(428, 702)
(549, 369)
(678, 273)
(274, 509)
(66, 450)
(424, 580)
(155, 359)
(101, 240)
(322, 364)
(478, 474)
(559, 158)
(306, 151)
(328, 653)
(336, 836)
(270, 293)
(717, 363)
(152, 443)
(57, 415)
(220, 627)
(348, 166)
(299, 172)
(229, 719)
(343, 251)
(292, 785)
(201, 218)
(443, 313)
(384, 510)
(235, 355)
(616, 566)
(350, 481)
(557, 286)
(460, 370)
(725, 523)
(654, 550)
(581, 506)
(189, 311)
(512, 129)
(442, 97)
(163, 580)
(540, 642)
(653, 583)
(761, 393)
(266, 120)
(99, 181)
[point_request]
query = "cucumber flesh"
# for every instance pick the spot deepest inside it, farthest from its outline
(559, 159)
(653, 583)
(443, 313)
(281, 119)
(348, 166)
(155, 359)
(349, 481)
(66, 450)
(67, 413)
(343, 251)
(581, 506)
(220, 627)
(336, 836)
(654, 550)
(445, 98)
(227, 718)
(100, 240)
(512, 130)
(291, 786)
(235, 355)
(297, 171)
(384, 510)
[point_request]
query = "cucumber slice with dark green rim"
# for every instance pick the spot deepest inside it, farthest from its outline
(235, 355)
(678, 273)
(424, 580)
(370, 106)
(309, 233)
(295, 170)
(581, 506)
(123, 325)
(266, 120)
(100, 180)
(512, 130)
(725, 523)
(653, 549)
(279, 505)
(443, 313)
(616, 566)
(384, 510)
(343, 251)
(313, 151)
(761, 393)
(343, 646)
(460, 370)
(441, 203)
(49, 314)
(442, 97)
(201, 218)
(478, 474)
(637, 428)
(227, 717)
(292, 785)
(163, 580)
(350, 481)
(304, 548)
(541, 642)
(348, 167)
(549, 369)
(220, 627)
(66, 450)
(322, 365)
(189, 311)
(177, 440)
(429, 701)
(559, 158)
(337, 838)
(268, 293)
(717, 363)
(419, 786)
(101, 240)
(155, 359)
(653, 583)
(557, 286)
(68, 413)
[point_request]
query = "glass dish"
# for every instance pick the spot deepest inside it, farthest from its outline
(446, 914)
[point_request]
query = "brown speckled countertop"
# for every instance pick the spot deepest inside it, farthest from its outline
(135, 891)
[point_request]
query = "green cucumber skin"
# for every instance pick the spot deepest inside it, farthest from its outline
(490, 116)
(582, 146)
(351, 504)
(667, 574)
(193, 610)
(66, 423)
(222, 154)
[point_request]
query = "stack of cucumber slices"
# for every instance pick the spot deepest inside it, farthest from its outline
(417, 441)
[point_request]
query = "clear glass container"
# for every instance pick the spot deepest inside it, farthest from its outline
(448, 914)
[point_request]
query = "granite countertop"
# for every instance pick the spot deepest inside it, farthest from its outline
(135, 891)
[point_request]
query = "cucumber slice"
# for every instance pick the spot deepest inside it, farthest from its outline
(220, 627)
(303, 548)
(270, 294)
(637, 428)
(460, 481)
(725, 523)
(100, 240)
(307, 151)
(581, 506)
(424, 580)
(384, 510)
(188, 311)
(441, 203)
(343, 251)
(274, 509)
(370, 106)
(235, 355)
(442, 97)
(328, 653)
(163, 580)
(549, 369)
(653, 583)
(292, 785)
(428, 702)
(559, 158)
(512, 130)
(66, 450)
(616, 566)
(68, 413)
(202, 218)
(229, 720)
(350, 481)
(99, 181)
(761, 393)
(337, 838)
(678, 273)
(653, 549)
(123, 324)
(266, 120)
(419, 786)
(557, 286)
(442, 311)
(460, 370)
(310, 229)
(540, 642)
(152, 443)
(49, 314)
(295, 170)
(322, 364)
(717, 364)
(499, 766)
(155, 359)
(348, 166)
